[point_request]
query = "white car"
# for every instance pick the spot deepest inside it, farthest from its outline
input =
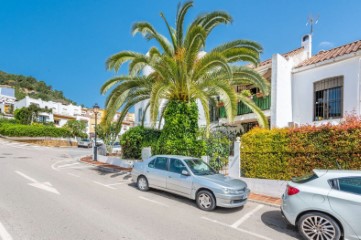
(325, 205)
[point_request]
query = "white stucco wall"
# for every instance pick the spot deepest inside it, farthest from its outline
(302, 89)
(281, 92)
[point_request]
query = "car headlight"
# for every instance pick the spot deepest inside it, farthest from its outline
(231, 191)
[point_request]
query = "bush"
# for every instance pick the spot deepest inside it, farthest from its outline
(136, 138)
(180, 132)
(217, 146)
(18, 130)
(286, 153)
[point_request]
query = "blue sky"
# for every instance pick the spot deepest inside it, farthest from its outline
(66, 42)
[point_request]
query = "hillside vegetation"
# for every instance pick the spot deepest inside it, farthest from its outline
(25, 85)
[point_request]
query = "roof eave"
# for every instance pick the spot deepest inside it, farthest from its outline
(326, 62)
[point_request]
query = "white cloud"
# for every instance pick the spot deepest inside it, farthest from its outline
(326, 45)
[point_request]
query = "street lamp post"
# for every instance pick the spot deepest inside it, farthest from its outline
(96, 111)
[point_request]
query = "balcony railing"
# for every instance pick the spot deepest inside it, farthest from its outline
(264, 103)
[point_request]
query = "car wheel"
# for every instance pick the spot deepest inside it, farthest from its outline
(205, 200)
(318, 226)
(142, 183)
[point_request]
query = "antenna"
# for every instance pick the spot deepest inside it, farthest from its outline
(312, 20)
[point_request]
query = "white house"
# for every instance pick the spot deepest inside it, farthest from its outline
(60, 113)
(305, 89)
(7, 99)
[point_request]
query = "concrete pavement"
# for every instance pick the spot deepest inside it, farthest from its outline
(93, 204)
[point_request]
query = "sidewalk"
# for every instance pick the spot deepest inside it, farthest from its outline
(253, 197)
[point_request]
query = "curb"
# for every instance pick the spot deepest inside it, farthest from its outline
(108, 168)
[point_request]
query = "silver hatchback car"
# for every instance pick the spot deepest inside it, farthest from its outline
(192, 178)
(325, 204)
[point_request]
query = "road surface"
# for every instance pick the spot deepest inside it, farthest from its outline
(46, 193)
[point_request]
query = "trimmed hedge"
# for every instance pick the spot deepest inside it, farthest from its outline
(286, 153)
(133, 140)
(19, 130)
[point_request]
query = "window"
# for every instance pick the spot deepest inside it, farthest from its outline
(176, 166)
(328, 98)
(151, 164)
(140, 114)
(161, 163)
(351, 185)
(198, 167)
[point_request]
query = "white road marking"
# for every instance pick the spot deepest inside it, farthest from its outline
(114, 184)
(246, 216)
(237, 229)
(25, 176)
(4, 235)
(74, 175)
(153, 201)
(43, 186)
(104, 185)
(53, 166)
(67, 165)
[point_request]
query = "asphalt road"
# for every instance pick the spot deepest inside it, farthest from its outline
(45, 193)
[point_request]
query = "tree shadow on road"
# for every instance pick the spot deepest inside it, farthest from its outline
(113, 173)
(274, 220)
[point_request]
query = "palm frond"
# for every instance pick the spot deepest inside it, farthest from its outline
(149, 33)
(180, 20)
(116, 61)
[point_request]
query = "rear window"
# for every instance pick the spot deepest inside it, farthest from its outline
(305, 178)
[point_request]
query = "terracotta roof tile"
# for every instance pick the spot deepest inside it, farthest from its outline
(332, 53)
(286, 55)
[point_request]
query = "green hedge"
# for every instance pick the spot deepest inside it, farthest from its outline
(19, 130)
(286, 153)
(136, 138)
(180, 132)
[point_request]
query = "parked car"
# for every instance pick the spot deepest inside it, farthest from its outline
(85, 143)
(192, 178)
(116, 148)
(325, 204)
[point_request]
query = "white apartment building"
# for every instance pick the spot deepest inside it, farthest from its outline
(60, 113)
(305, 89)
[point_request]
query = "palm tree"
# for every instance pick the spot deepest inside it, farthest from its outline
(182, 72)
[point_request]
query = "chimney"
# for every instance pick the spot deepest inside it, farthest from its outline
(307, 44)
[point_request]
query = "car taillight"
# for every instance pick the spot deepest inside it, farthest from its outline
(292, 191)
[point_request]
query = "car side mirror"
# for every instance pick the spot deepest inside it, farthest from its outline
(185, 173)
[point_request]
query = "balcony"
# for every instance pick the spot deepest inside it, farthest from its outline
(264, 103)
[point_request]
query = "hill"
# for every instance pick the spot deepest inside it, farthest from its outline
(25, 85)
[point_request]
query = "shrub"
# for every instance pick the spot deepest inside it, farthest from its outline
(180, 132)
(217, 146)
(136, 138)
(285, 153)
(19, 130)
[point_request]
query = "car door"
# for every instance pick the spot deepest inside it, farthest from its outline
(345, 200)
(176, 182)
(156, 172)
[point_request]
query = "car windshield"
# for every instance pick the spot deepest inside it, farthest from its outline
(198, 167)
(85, 140)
